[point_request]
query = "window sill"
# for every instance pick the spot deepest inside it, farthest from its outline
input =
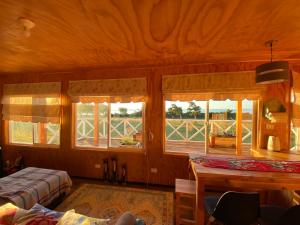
(33, 146)
(109, 150)
(180, 154)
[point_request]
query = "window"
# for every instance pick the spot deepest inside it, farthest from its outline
(295, 118)
(109, 125)
(32, 113)
(34, 133)
(186, 132)
(109, 113)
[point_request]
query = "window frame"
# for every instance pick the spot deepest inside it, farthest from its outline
(255, 125)
(108, 148)
(7, 138)
(7, 132)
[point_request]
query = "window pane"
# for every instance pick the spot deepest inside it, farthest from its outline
(184, 126)
(222, 126)
(20, 132)
(53, 133)
(294, 138)
(247, 124)
(34, 133)
(126, 125)
(91, 125)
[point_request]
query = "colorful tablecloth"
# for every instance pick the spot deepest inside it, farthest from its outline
(249, 164)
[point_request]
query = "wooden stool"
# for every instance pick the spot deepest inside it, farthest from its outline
(185, 191)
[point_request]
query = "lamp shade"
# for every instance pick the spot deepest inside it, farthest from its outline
(273, 72)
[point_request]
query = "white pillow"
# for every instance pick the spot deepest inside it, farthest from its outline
(72, 218)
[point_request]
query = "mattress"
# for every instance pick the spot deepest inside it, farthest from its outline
(34, 185)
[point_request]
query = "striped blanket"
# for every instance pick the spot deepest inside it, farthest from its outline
(34, 185)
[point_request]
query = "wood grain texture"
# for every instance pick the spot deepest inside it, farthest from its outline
(78, 34)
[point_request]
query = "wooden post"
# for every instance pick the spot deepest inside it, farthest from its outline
(108, 125)
(254, 125)
(206, 127)
(297, 140)
(239, 114)
(43, 133)
(96, 124)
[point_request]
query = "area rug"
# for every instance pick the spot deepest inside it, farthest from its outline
(109, 202)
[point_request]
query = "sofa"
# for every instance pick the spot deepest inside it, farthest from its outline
(38, 214)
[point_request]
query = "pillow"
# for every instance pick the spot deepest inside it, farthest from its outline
(37, 215)
(7, 213)
(46, 211)
(139, 222)
(72, 218)
(126, 219)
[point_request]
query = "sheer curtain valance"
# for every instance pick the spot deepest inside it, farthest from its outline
(217, 86)
(32, 102)
(108, 90)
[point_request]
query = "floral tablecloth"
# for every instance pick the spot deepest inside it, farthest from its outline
(250, 164)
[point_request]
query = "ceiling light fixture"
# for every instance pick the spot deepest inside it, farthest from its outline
(273, 72)
(27, 26)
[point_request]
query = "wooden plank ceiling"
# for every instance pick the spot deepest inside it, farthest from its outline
(73, 34)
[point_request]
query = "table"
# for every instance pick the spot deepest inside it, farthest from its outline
(206, 176)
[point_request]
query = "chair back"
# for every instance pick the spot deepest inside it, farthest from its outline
(291, 216)
(238, 208)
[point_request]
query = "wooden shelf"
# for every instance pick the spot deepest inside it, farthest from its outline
(185, 191)
(279, 117)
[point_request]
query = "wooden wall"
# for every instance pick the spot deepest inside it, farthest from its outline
(81, 162)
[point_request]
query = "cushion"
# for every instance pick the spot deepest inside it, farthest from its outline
(72, 218)
(46, 211)
(7, 213)
(139, 222)
(37, 215)
(126, 219)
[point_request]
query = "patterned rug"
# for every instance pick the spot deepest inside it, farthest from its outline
(103, 201)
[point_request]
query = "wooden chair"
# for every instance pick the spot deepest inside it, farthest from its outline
(185, 191)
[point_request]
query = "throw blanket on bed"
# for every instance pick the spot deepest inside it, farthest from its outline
(34, 185)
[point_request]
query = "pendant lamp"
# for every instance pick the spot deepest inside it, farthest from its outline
(272, 72)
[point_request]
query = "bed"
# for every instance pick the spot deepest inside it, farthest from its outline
(34, 185)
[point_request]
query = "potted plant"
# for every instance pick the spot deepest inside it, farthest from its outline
(128, 141)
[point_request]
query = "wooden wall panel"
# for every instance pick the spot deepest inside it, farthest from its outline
(81, 162)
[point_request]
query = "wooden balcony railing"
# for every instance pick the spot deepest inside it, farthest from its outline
(177, 130)
(193, 130)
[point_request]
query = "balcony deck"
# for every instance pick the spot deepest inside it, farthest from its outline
(174, 147)
(199, 147)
